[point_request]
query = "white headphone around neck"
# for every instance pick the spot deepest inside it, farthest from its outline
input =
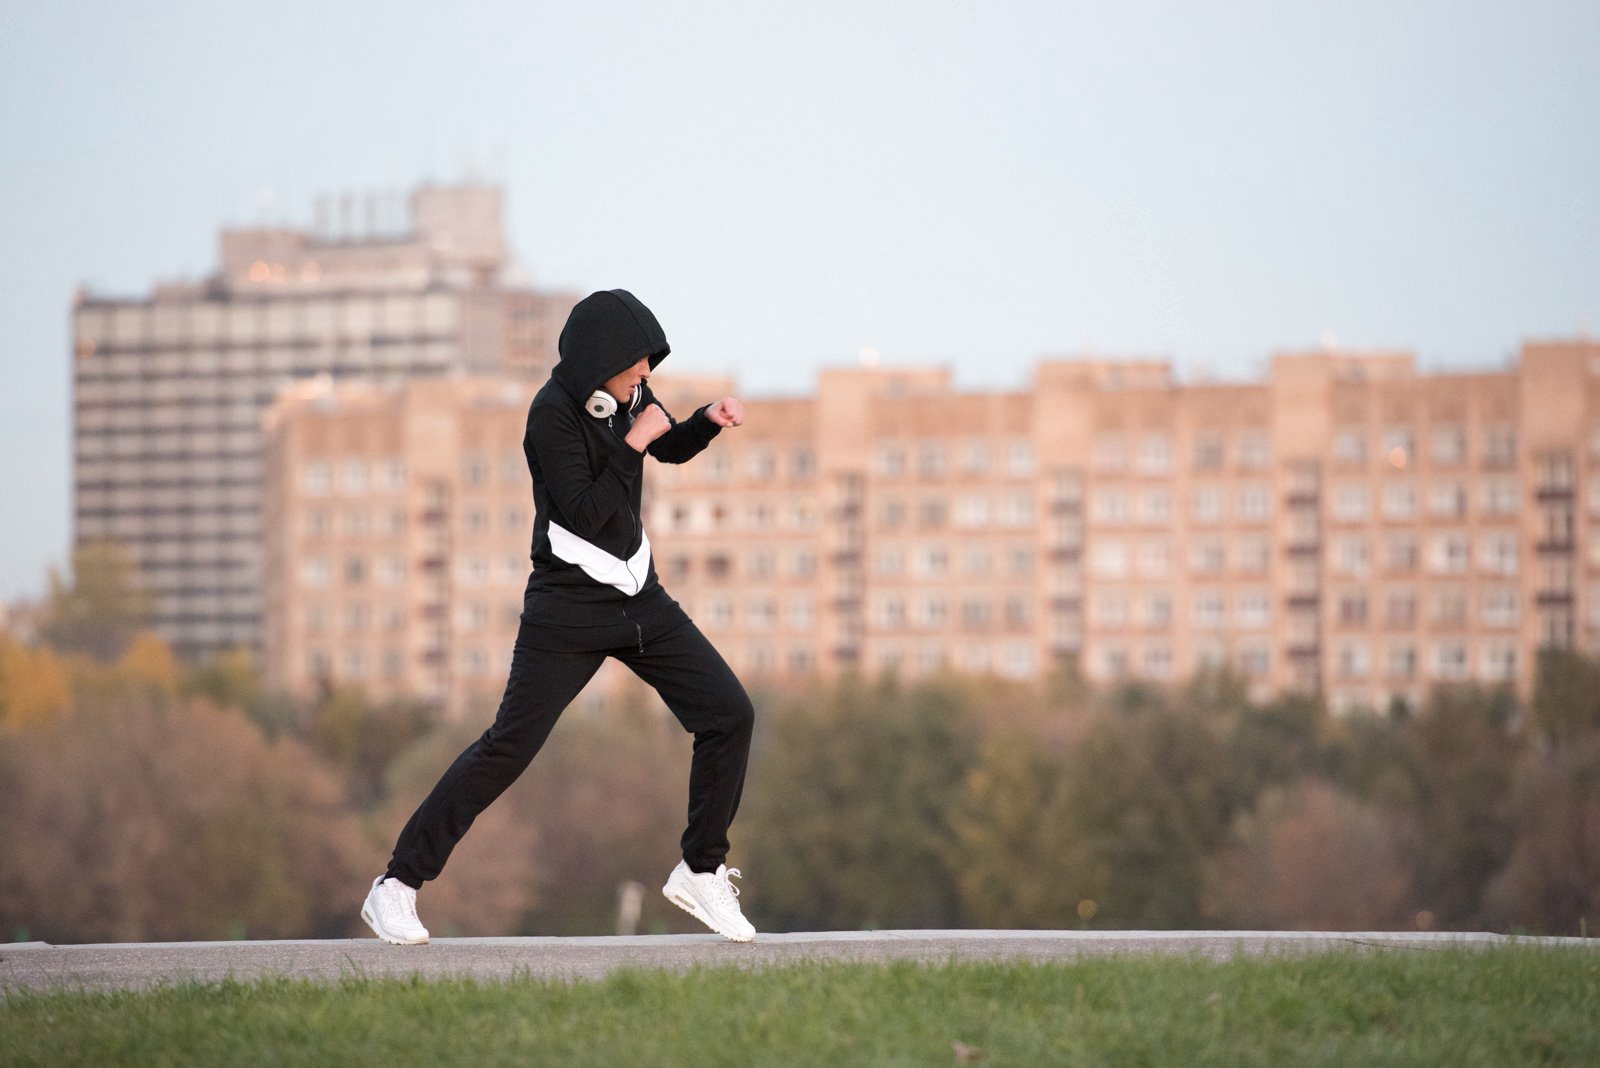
(603, 405)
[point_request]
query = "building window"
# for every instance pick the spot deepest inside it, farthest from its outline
(1500, 497)
(932, 561)
(1254, 610)
(1210, 609)
(1255, 503)
(1158, 662)
(1402, 661)
(1156, 507)
(1499, 553)
(1500, 607)
(1350, 446)
(1555, 472)
(1449, 553)
(1399, 500)
(1155, 454)
(891, 461)
(1111, 609)
(1500, 446)
(1155, 559)
(1206, 504)
(1255, 660)
(975, 458)
(1450, 607)
(1351, 555)
(1158, 609)
(1109, 506)
(1450, 660)
(1401, 607)
(1255, 452)
(1354, 660)
(317, 480)
(1208, 556)
(1208, 452)
(1351, 502)
(1449, 445)
(1448, 499)
(1109, 558)
(1499, 662)
(972, 510)
(1400, 552)
(1399, 446)
(1253, 554)
(1019, 458)
(1353, 608)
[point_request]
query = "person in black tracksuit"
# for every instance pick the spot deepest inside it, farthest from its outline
(593, 594)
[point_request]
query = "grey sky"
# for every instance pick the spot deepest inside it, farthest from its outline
(974, 185)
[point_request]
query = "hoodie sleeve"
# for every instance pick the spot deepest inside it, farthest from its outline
(685, 440)
(585, 501)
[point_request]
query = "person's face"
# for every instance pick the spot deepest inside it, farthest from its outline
(621, 386)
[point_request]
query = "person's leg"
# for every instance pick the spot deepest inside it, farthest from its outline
(540, 686)
(702, 691)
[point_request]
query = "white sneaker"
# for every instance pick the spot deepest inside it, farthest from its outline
(710, 898)
(391, 911)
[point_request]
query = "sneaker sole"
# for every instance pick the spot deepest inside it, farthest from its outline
(366, 914)
(688, 904)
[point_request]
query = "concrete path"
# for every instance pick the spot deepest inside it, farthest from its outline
(40, 965)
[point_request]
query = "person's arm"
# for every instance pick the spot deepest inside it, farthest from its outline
(685, 440)
(586, 500)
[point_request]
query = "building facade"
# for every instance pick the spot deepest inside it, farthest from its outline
(169, 389)
(1348, 526)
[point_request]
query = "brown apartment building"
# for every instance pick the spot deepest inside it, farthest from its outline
(169, 388)
(1347, 525)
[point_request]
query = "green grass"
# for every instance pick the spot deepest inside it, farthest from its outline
(1515, 1005)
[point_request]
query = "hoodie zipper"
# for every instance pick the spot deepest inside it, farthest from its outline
(637, 630)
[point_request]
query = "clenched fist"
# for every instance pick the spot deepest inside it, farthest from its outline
(647, 426)
(726, 412)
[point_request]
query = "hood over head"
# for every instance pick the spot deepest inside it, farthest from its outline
(607, 333)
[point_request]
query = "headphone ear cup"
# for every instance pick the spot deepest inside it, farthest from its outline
(601, 404)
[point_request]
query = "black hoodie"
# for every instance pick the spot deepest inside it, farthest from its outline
(592, 567)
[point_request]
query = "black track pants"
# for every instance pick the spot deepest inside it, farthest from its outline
(693, 680)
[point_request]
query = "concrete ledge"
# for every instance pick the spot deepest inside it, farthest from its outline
(38, 965)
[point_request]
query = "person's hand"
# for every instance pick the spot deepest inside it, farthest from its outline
(726, 412)
(647, 426)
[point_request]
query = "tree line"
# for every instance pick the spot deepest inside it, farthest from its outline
(141, 799)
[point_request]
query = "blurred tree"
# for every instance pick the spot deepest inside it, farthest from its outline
(1566, 699)
(1551, 881)
(847, 821)
(1149, 793)
(1309, 857)
(362, 737)
(228, 679)
(1018, 857)
(34, 684)
(1464, 750)
(148, 663)
(146, 819)
(103, 607)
